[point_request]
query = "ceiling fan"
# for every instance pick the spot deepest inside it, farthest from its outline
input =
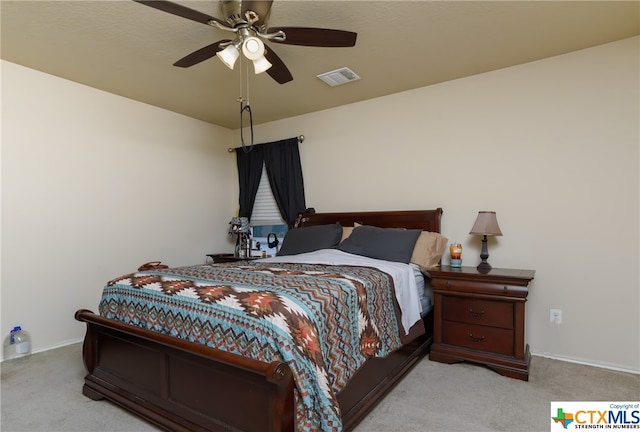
(248, 21)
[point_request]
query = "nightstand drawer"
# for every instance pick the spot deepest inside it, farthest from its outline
(465, 286)
(489, 339)
(481, 312)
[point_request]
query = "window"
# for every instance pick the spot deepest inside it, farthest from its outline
(266, 218)
(265, 209)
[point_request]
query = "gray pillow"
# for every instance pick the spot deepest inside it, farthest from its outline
(309, 239)
(390, 244)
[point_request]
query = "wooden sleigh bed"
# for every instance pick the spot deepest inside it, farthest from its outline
(185, 386)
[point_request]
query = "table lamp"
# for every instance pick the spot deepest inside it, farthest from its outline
(486, 224)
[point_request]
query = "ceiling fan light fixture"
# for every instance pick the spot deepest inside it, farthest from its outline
(260, 65)
(229, 55)
(253, 48)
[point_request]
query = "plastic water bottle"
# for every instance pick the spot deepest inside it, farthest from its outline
(17, 344)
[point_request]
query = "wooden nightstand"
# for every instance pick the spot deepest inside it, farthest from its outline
(480, 318)
(228, 257)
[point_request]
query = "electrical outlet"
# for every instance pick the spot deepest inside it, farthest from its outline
(555, 316)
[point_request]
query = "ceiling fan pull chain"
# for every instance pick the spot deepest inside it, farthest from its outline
(244, 106)
(246, 64)
(247, 108)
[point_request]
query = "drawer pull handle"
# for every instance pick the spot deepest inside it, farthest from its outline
(476, 339)
(448, 284)
(475, 314)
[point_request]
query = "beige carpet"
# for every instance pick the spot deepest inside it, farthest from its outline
(43, 393)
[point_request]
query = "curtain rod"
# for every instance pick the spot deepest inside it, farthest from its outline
(300, 140)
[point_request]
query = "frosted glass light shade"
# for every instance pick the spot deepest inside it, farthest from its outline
(229, 55)
(253, 48)
(260, 65)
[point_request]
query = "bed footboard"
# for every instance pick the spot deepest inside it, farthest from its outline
(183, 386)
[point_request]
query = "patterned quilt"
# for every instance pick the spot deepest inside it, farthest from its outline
(324, 321)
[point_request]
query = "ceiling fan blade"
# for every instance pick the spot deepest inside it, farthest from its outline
(278, 71)
(200, 55)
(319, 37)
(179, 10)
(261, 7)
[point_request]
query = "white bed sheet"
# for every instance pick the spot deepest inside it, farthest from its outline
(425, 291)
(402, 274)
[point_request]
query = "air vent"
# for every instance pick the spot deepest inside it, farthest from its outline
(339, 76)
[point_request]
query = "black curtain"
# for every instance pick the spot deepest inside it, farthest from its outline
(282, 162)
(249, 172)
(284, 170)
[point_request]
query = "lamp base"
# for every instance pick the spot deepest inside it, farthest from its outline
(484, 267)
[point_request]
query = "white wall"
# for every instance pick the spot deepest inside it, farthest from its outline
(551, 146)
(93, 185)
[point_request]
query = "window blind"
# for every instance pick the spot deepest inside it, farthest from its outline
(265, 209)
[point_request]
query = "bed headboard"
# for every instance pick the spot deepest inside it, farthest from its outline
(426, 220)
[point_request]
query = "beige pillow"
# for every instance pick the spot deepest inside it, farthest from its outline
(346, 231)
(428, 250)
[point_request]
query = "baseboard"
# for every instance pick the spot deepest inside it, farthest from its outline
(587, 363)
(539, 354)
(51, 347)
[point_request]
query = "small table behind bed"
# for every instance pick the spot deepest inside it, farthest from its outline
(184, 386)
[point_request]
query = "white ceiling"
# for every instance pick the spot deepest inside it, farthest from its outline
(128, 49)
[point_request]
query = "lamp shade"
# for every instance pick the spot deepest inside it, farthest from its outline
(229, 55)
(486, 224)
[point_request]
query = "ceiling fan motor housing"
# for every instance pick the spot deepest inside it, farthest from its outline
(233, 15)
